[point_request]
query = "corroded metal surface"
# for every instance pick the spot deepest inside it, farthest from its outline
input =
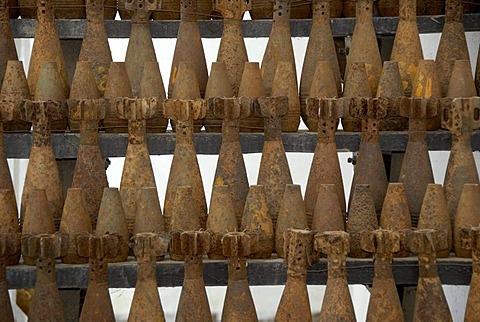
(49, 87)
(221, 217)
(7, 111)
(14, 89)
(407, 49)
(337, 303)
(69, 9)
(189, 48)
(470, 241)
(416, 170)
(274, 171)
(140, 47)
(467, 215)
(9, 247)
(149, 218)
(362, 217)
(232, 50)
(279, 45)
(251, 86)
(38, 219)
(111, 220)
(170, 11)
(370, 168)
(118, 86)
(391, 87)
(46, 304)
(434, 215)
(322, 86)
(256, 220)
(137, 169)
(384, 302)
(238, 304)
(328, 215)
(151, 85)
(356, 85)
(395, 214)
(430, 301)
(320, 50)
(184, 216)
(184, 170)
(46, 47)
(9, 221)
(231, 169)
(461, 83)
(477, 73)
(364, 48)
(285, 84)
(42, 170)
(426, 85)
(100, 250)
(90, 173)
(75, 220)
(291, 215)
(146, 305)
(453, 43)
(325, 168)
(83, 88)
(461, 118)
(193, 304)
(299, 255)
(218, 85)
(95, 47)
(7, 45)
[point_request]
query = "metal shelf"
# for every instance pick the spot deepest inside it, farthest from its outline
(384, 26)
(452, 271)
(18, 145)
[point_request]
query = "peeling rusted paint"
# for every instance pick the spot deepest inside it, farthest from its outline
(100, 249)
(90, 173)
(279, 45)
(274, 171)
(299, 255)
(238, 304)
(46, 303)
(337, 303)
(325, 168)
(231, 169)
(95, 47)
(291, 215)
(362, 218)
(111, 220)
(221, 217)
(256, 220)
(193, 304)
(430, 301)
(427, 85)
(146, 305)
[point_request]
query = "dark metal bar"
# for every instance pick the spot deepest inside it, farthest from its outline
(384, 26)
(452, 271)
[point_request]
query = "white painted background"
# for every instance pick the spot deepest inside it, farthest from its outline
(266, 297)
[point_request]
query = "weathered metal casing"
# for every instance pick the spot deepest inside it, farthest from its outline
(118, 86)
(184, 170)
(251, 86)
(468, 214)
(151, 85)
(274, 171)
(285, 84)
(325, 168)
(218, 85)
(7, 45)
(470, 241)
(9, 248)
(9, 221)
(427, 85)
(231, 169)
(356, 85)
(328, 215)
(291, 215)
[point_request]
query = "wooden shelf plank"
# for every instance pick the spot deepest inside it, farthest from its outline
(18, 145)
(452, 271)
(384, 26)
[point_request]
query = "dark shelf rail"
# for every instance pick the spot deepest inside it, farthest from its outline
(384, 26)
(452, 271)
(18, 145)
